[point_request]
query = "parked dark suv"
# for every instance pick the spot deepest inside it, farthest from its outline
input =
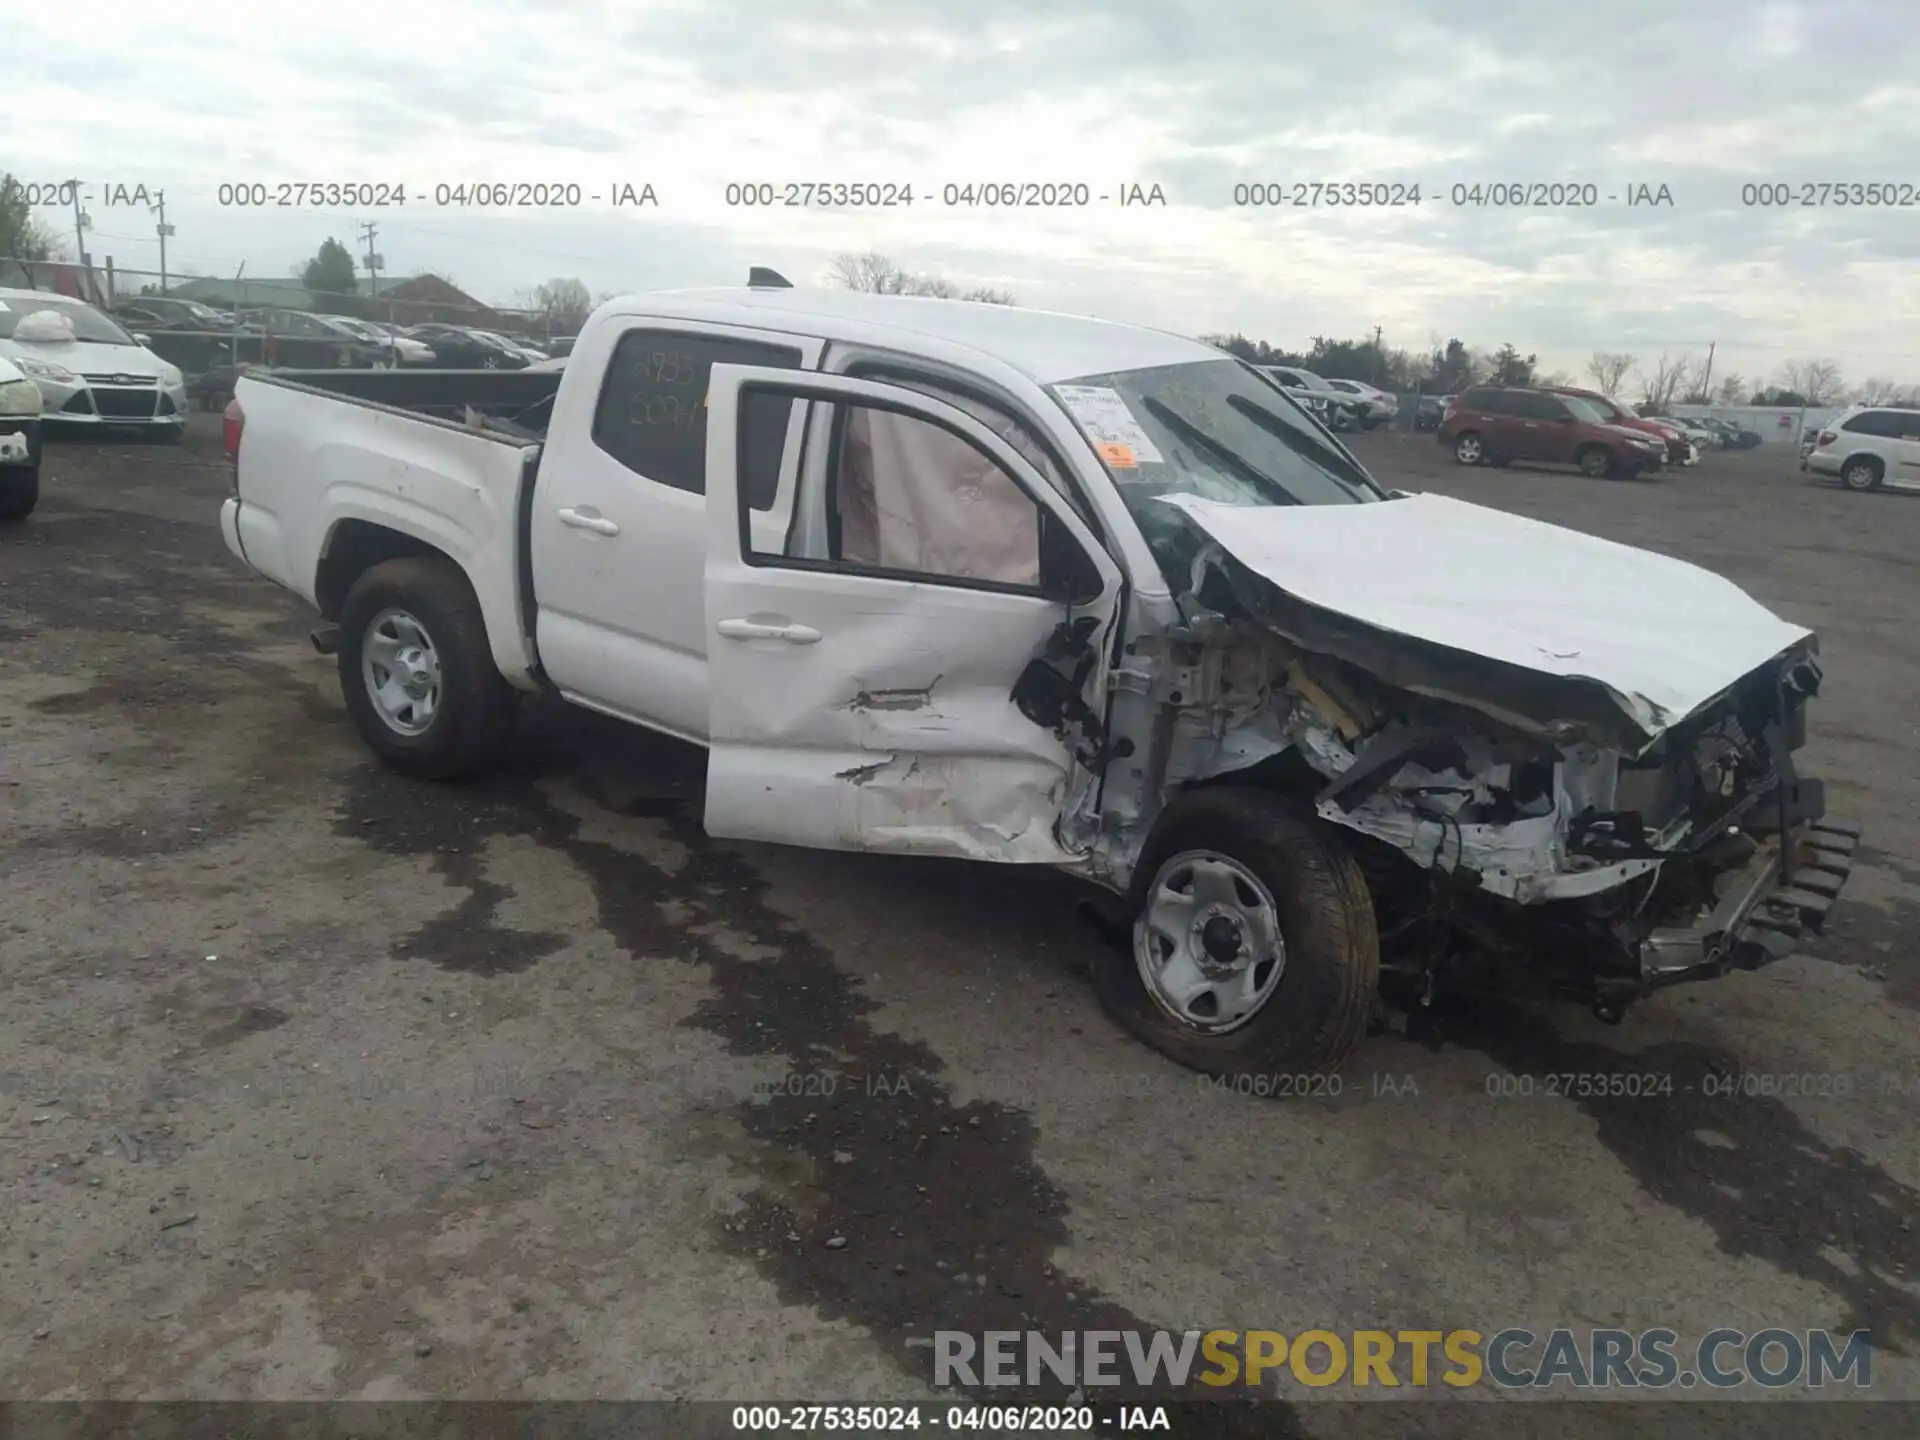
(1493, 425)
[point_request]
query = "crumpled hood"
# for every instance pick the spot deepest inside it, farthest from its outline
(1517, 617)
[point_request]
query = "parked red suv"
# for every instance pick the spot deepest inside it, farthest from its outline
(1492, 425)
(1680, 450)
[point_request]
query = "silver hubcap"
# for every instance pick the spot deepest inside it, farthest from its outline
(1208, 942)
(1469, 451)
(1594, 463)
(1860, 477)
(401, 670)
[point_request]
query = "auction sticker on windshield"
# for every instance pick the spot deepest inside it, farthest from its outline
(1120, 457)
(1107, 421)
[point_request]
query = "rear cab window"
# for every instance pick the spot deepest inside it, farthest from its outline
(652, 411)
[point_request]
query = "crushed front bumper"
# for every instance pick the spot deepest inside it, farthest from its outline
(1765, 908)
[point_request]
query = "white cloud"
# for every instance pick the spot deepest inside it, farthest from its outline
(691, 94)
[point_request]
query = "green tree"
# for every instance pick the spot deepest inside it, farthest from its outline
(1451, 369)
(1509, 367)
(22, 236)
(330, 271)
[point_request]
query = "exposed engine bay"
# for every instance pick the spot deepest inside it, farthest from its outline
(1517, 831)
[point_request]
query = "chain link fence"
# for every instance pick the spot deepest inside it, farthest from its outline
(215, 327)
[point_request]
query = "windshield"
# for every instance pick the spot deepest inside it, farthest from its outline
(1212, 428)
(1586, 410)
(88, 323)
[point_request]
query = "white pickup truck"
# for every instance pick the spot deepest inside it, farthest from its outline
(968, 580)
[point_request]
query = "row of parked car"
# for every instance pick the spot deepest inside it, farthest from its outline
(1567, 425)
(1337, 404)
(203, 338)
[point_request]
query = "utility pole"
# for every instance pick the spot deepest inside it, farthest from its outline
(373, 259)
(80, 222)
(163, 230)
(1706, 380)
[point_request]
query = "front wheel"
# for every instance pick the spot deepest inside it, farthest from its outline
(19, 491)
(1254, 948)
(1595, 462)
(1469, 450)
(418, 673)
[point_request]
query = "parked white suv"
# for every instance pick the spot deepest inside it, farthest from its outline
(1870, 447)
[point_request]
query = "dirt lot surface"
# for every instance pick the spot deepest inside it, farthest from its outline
(317, 1083)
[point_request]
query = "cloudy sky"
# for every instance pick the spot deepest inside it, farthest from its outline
(1705, 98)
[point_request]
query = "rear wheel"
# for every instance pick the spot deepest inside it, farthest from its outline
(19, 491)
(1469, 450)
(1863, 472)
(1595, 461)
(1255, 956)
(418, 673)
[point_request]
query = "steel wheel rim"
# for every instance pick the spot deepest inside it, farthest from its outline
(1207, 944)
(1859, 477)
(401, 669)
(1467, 451)
(1594, 464)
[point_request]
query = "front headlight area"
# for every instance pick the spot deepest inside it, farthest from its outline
(19, 397)
(46, 370)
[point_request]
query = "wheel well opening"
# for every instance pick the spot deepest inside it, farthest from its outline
(355, 547)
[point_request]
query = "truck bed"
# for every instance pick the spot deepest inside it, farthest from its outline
(514, 404)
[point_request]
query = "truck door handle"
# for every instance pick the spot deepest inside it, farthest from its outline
(585, 517)
(759, 630)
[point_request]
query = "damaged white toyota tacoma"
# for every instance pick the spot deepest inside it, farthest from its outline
(943, 578)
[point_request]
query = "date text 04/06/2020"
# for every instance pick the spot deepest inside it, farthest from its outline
(953, 195)
(989, 1419)
(463, 194)
(1462, 195)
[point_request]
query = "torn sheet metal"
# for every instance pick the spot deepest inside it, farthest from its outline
(1538, 625)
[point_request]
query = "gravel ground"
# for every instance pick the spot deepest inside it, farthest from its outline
(315, 1083)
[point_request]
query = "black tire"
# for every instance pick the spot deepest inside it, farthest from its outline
(1326, 994)
(1863, 472)
(1596, 462)
(19, 491)
(476, 706)
(1469, 448)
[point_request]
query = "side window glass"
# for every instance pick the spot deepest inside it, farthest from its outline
(652, 414)
(908, 498)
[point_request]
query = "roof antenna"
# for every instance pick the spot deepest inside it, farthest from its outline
(761, 278)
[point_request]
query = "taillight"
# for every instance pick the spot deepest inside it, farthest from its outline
(232, 421)
(1827, 437)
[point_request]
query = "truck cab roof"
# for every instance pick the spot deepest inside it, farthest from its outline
(1045, 346)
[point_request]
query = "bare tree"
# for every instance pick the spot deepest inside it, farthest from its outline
(1732, 389)
(562, 304)
(1818, 381)
(1696, 375)
(1659, 385)
(1886, 392)
(1554, 380)
(1608, 370)
(878, 275)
